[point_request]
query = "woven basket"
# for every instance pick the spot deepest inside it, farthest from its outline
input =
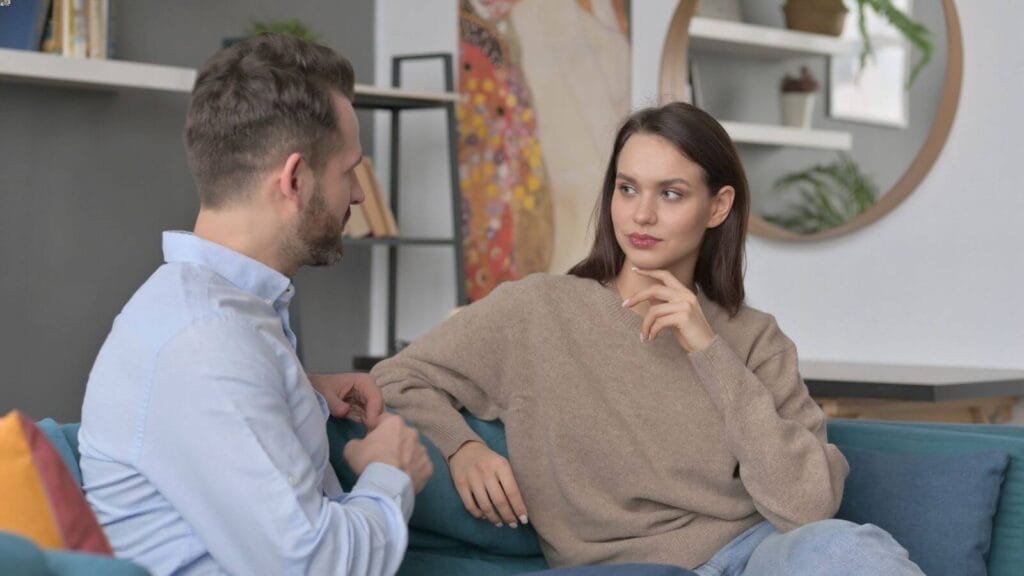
(818, 16)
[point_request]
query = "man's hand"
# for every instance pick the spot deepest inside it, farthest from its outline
(392, 442)
(354, 396)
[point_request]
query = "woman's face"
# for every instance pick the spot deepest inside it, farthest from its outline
(661, 206)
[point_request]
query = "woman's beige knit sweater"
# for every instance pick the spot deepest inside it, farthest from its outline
(625, 451)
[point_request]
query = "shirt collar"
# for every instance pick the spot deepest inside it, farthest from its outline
(247, 274)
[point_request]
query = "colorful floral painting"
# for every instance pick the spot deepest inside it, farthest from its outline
(524, 200)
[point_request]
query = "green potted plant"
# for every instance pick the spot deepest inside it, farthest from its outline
(829, 195)
(292, 27)
(829, 17)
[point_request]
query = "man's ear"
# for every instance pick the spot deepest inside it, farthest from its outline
(721, 205)
(290, 179)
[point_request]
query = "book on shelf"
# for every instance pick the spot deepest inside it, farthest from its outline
(376, 209)
(77, 28)
(22, 24)
(357, 226)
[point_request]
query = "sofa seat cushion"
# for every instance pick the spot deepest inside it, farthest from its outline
(39, 498)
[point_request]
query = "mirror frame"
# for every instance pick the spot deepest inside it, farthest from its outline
(673, 81)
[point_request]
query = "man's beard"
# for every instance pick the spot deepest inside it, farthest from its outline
(319, 234)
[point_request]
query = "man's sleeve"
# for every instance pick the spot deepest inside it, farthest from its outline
(220, 443)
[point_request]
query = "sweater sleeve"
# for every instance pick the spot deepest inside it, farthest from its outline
(774, 429)
(461, 363)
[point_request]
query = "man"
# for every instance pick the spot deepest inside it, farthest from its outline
(204, 447)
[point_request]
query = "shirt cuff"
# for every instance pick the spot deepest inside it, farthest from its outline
(386, 480)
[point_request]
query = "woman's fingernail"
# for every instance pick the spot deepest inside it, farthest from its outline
(524, 519)
(498, 524)
(625, 302)
(642, 337)
(635, 269)
(513, 525)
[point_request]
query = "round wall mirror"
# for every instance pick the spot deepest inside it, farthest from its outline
(829, 147)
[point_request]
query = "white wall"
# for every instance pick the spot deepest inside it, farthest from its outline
(426, 274)
(935, 282)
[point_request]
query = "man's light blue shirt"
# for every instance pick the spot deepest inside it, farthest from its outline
(204, 446)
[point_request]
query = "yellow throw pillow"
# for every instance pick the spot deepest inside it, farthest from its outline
(39, 499)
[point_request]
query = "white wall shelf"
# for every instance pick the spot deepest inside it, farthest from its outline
(718, 35)
(36, 67)
(772, 135)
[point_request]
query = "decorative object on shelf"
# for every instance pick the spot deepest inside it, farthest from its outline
(816, 16)
(798, 96)
(829, 195)
(829, 17)
(720, 10)
(524, 62)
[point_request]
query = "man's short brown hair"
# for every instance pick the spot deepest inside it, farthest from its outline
(256, 102)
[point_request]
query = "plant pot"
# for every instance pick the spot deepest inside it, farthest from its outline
(797, 109)
(817, 16)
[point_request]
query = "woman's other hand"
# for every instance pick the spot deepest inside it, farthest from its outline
(674, 306)
(484, 481)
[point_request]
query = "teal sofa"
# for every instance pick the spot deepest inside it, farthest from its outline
(445, 540)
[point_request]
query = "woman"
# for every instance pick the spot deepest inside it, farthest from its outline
(651, 416)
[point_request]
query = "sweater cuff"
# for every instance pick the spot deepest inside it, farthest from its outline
(720, 370)
(449, 437)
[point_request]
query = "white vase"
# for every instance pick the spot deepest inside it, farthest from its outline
(797, 109)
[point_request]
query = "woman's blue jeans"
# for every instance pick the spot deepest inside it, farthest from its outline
(824, 548)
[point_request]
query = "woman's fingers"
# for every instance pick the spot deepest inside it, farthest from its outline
(663, 322)
(483, 501)
(466, 494)
(500, 500)
(664, 276)
(653, 314)
(515, 498)
(656, 292)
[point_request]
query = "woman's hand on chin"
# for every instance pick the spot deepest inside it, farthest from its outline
(672, 306)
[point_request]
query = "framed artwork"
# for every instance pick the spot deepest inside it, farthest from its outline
(875, 93)
(544, 84)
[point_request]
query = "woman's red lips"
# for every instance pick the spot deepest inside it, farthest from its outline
(643, 240)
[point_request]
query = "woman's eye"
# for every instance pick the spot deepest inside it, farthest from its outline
(626, 189)
(672, 195)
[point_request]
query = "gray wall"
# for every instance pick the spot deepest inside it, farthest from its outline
(89, 179)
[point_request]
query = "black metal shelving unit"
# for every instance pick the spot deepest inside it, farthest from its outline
(396, 101)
